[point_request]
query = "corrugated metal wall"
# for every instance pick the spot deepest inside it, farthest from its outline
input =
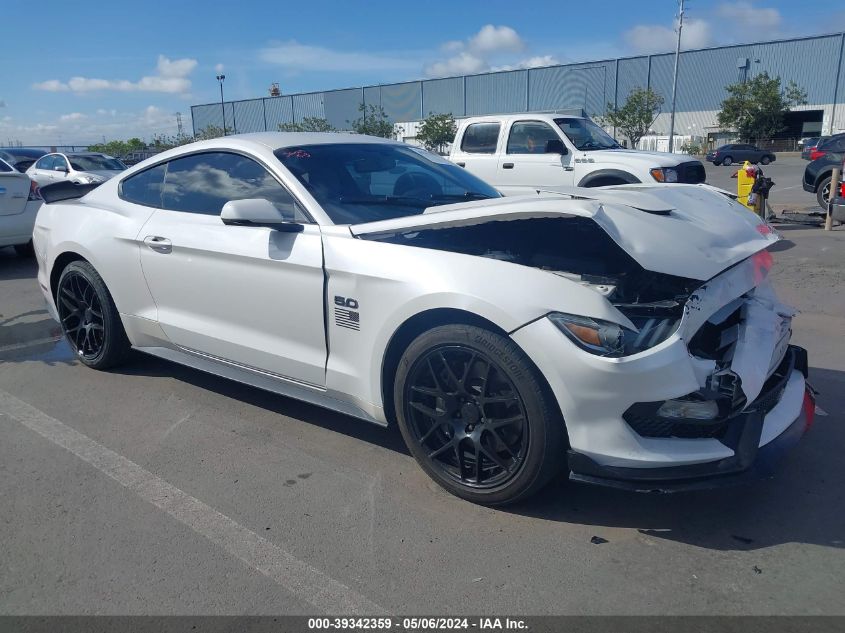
(814, 63)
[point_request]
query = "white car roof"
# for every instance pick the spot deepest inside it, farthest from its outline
(277, 140)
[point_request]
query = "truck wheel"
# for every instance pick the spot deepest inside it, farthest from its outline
(476, 415)
(727, 161)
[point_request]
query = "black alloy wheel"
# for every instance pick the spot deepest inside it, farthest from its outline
(467, 416)
(89, 318)
(476, 414)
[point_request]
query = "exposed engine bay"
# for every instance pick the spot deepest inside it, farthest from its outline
(573, 247)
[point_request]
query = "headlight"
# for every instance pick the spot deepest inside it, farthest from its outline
(666, 174)
(603, 338)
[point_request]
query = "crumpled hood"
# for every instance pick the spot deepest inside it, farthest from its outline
(689, 231)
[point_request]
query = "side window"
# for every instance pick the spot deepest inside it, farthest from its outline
(530, 137)
(59, 161)
(4, 167)
(203, 183)
(145, 187)
(46, 162)
(480, 138)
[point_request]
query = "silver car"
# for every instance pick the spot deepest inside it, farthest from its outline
(80, 167)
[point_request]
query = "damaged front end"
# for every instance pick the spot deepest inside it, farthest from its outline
(692, 381)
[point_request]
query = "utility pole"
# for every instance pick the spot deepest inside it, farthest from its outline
(179, 125)
(220, 78)
(675, 76)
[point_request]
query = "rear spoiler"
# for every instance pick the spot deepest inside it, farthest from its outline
(65, 191)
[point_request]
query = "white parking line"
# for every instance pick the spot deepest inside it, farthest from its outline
(300, 579)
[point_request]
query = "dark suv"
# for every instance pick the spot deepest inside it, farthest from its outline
(817, 173)
(738, 152)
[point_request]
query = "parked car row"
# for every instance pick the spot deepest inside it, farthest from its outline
(24, 171)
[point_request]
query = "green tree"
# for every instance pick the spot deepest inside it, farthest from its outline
(373, 121)
(308, 124)
(756, 108)
(637, 114)
(436, 131)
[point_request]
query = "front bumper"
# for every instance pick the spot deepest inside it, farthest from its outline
(753, 456)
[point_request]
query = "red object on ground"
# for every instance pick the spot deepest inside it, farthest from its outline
(809, 407)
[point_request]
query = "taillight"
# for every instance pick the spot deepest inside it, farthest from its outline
(34, 191)
(816, 153)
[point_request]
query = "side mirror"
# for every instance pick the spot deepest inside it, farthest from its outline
(257, 212)
(62, 168)
(556, 146)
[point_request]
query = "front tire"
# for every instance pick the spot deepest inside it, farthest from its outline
(765, 160)
(727, 161)
(476, 415)
(90, 321)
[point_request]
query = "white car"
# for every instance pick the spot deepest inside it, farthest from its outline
(627, 334)
(519, 152)
(19, 203)
(82, 168)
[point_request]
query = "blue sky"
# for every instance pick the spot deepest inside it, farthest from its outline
(75, 72)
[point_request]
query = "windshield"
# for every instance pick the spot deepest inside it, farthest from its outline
(95, 163)
(365, 182)
(586, 135)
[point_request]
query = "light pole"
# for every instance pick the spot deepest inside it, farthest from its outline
(221, 78)
(675, 75)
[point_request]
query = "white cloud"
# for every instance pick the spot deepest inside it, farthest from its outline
(531, 62)
(171, 77)
(51, 85)
(302, 57)
(73, 116)
(477, 53)
(464, 63)
(495, 39)
(744, 15)
(656, 38)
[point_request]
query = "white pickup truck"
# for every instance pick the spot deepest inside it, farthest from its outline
(517, 152)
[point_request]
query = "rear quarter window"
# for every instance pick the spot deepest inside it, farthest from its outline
(481, 138)
(144, 187)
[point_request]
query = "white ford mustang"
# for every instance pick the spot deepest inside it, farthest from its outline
(627, 333)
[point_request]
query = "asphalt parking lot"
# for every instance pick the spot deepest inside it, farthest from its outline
(158, 489)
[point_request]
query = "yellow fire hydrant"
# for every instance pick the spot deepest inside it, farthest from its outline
(745, 177)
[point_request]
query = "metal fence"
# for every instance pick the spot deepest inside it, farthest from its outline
(814, 63)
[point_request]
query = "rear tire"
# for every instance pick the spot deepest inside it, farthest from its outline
(25, 250)
(823, 192)
(765, 160)
(727, 161)
(476, 415)
(90, 321)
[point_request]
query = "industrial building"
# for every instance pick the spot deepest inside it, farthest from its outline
(813, 63)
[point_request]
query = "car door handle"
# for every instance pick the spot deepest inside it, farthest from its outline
(507, 165)
(159, 244)
(568, 168)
